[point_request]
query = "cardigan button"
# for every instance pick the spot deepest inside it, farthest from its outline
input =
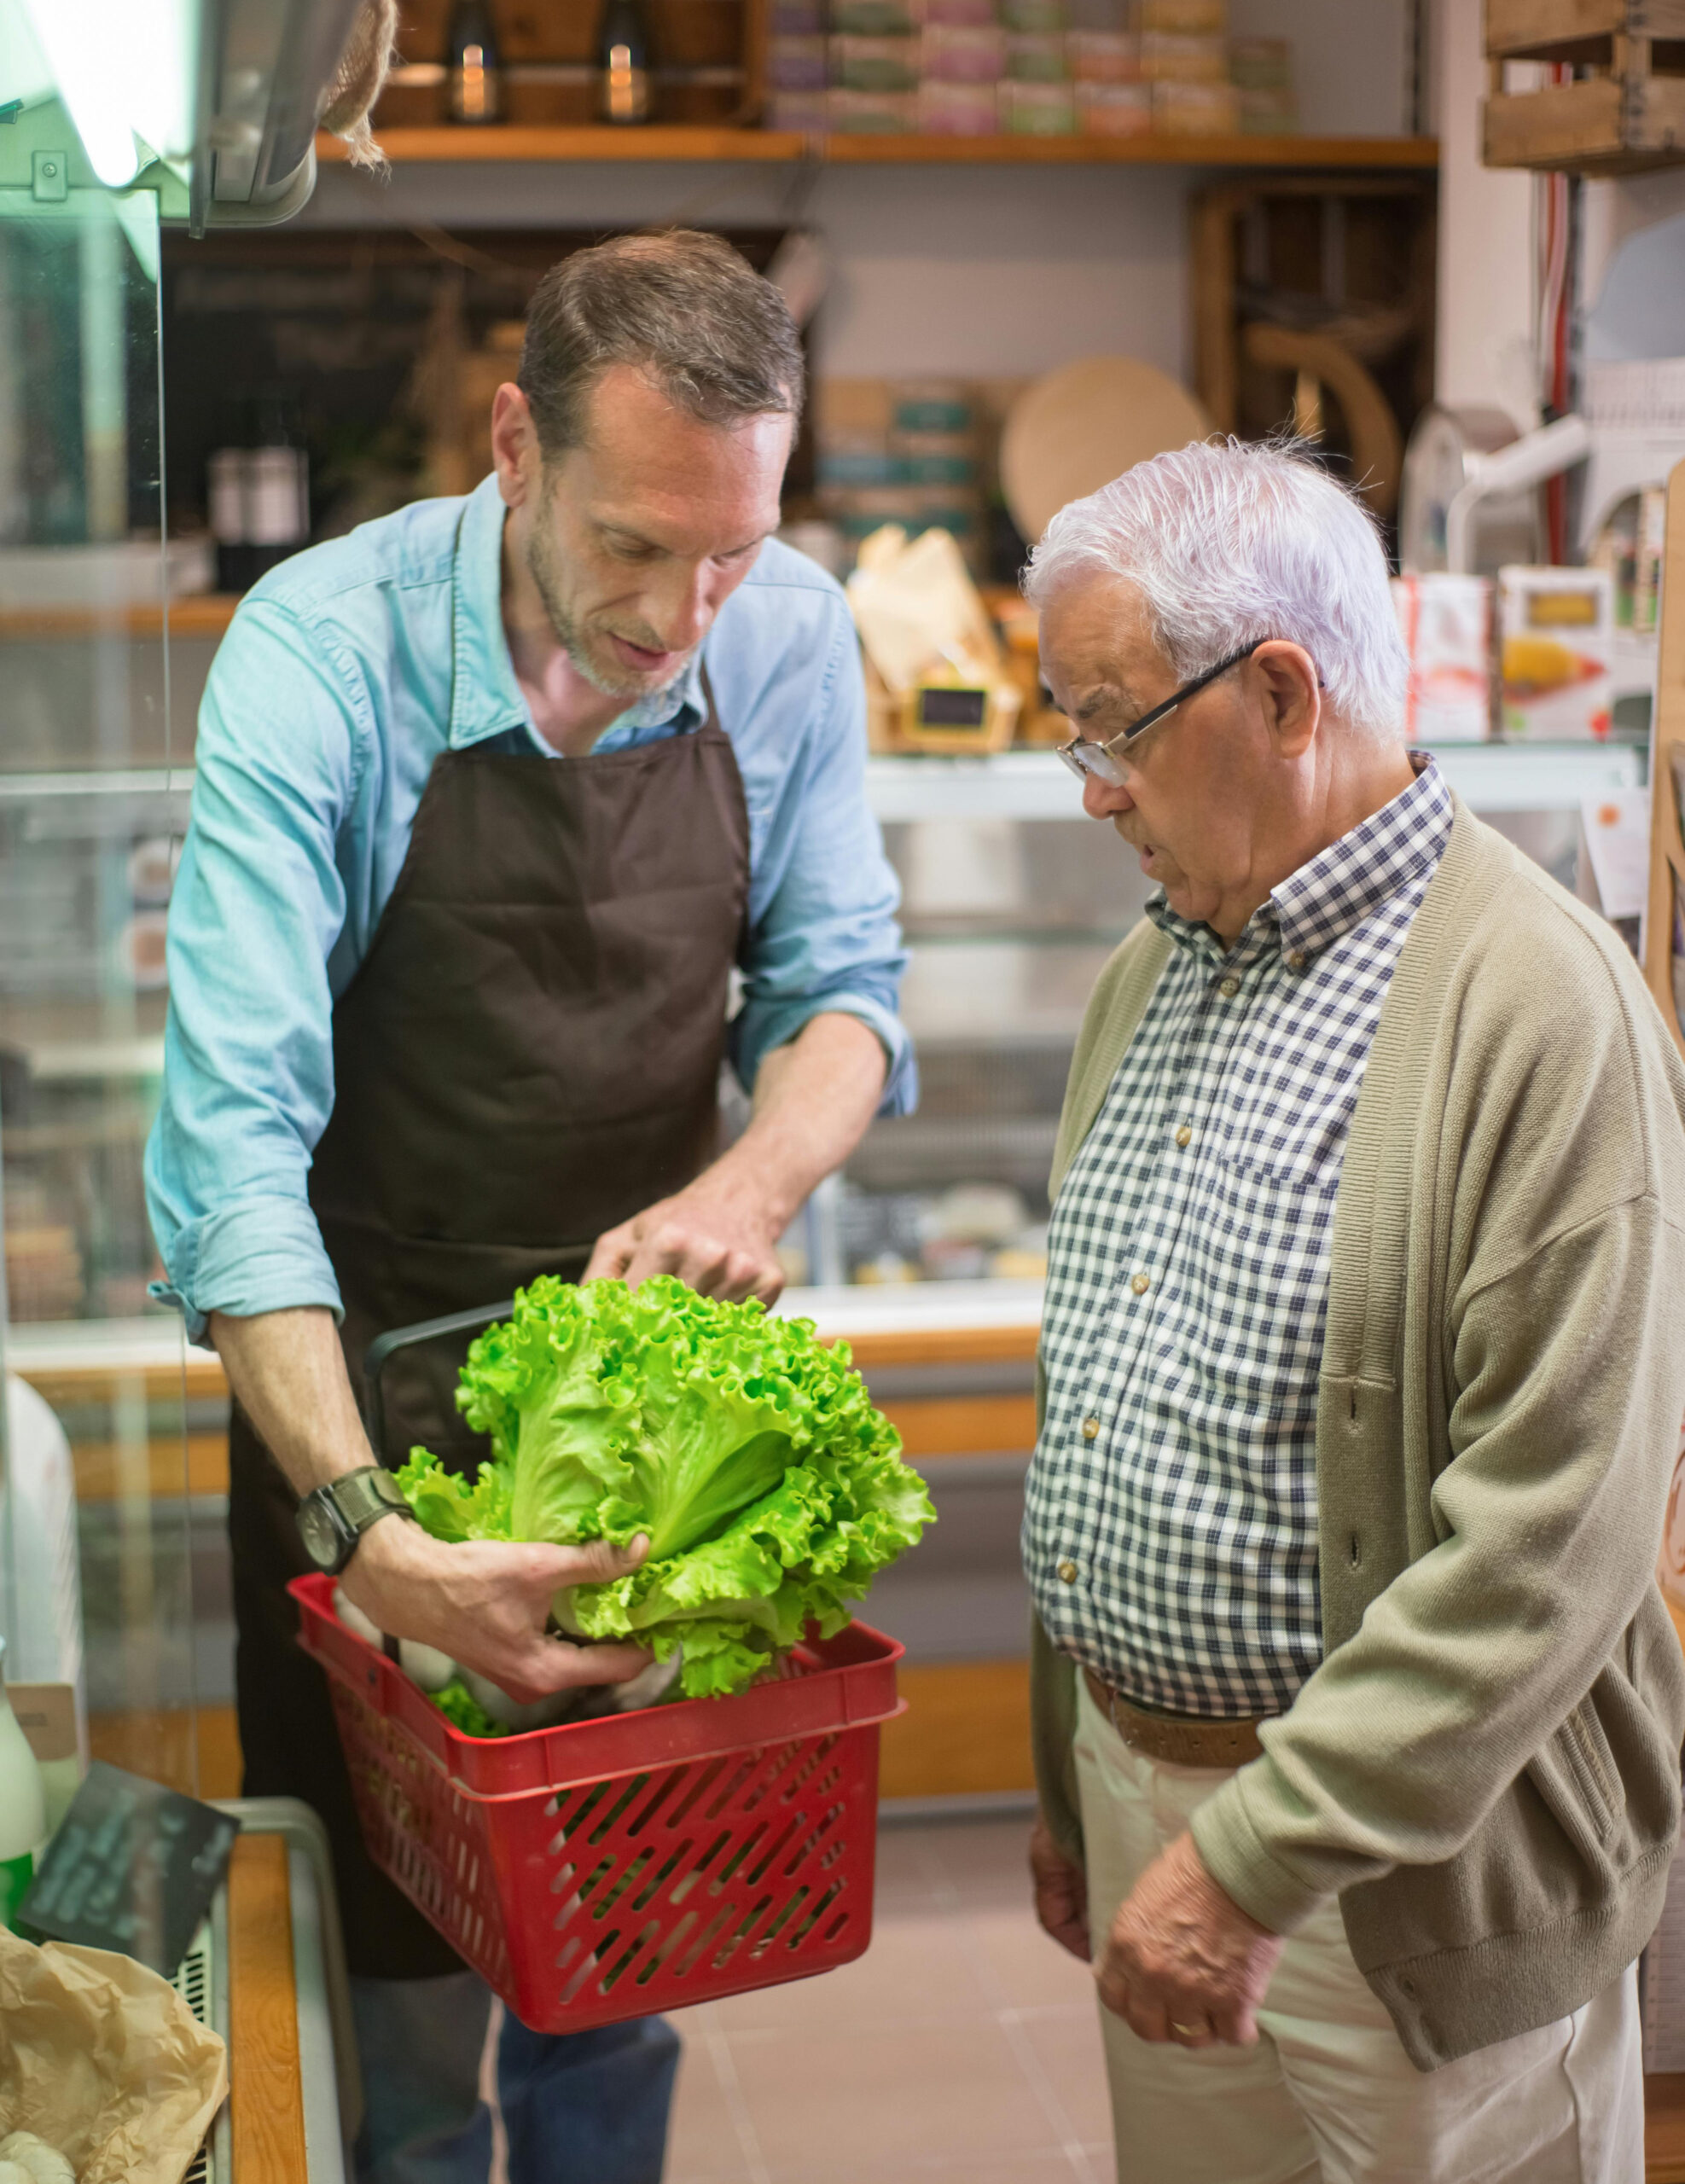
(1067, 1571)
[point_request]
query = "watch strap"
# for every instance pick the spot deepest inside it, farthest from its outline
(361, 1497)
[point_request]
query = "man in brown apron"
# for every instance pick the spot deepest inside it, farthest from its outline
(522, 1039)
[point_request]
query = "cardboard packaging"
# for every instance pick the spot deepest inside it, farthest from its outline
(1446, 623)
(1558, 629)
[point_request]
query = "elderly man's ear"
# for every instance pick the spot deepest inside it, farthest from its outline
(1293, 698)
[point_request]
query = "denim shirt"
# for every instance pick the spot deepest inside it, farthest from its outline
(343, 675)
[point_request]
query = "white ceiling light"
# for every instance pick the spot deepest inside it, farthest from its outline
(124, 71)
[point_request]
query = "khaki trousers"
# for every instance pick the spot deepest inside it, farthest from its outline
(1329, 2096)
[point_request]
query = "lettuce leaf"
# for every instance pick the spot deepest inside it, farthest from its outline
(748, 1452)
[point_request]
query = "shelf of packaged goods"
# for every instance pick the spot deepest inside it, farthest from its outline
(1034, 785)
(773, 146)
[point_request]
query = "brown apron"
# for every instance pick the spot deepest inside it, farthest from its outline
(528, 1054)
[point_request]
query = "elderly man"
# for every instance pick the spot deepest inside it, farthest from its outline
(1358, 1712)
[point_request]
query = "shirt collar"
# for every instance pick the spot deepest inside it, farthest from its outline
(485, 698)
(1344, 884)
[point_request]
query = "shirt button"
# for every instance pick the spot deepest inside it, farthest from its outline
(1091, 1429)
(1184, 1135)
(1229, 987)
(1140, 1283)
(1297, 959)
(1067, 1571)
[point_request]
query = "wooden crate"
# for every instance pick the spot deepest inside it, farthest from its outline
(1617, 106)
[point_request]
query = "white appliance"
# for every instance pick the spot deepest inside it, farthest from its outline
(40, 1576)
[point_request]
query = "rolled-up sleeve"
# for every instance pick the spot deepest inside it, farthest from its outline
(258, 902)
(823, 936)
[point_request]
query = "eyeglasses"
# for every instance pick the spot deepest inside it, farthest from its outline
(1084, 757)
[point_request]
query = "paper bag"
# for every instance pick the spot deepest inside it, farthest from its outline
(104, 2060)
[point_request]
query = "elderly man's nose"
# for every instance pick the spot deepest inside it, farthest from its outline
(1104, 799)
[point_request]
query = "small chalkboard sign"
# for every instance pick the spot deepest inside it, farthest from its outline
(133, 1867)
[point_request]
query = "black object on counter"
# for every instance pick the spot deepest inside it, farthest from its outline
(625, 60)
(474, 66)
(133, 1867)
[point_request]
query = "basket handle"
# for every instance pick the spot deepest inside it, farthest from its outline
(385, 1346)
(375, 1361)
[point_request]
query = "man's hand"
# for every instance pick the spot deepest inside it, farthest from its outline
(813, 1100)
(718, 1236)
(485, 1604)
(1062, 1892)
(1183, 1962)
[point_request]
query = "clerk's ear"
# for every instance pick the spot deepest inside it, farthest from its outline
(1292, 696)
(515, 445)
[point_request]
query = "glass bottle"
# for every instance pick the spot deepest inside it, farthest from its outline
(473, 68)
(623, 63)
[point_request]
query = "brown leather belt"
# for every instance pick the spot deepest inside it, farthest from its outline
(1179, 1739)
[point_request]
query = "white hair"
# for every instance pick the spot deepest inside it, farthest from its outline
(1228, 544)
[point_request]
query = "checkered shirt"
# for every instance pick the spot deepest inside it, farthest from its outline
(1169, 1530)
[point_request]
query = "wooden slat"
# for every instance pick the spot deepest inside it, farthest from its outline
(200, 1380)
(699, 143)
(967, 1728)
(963, 1426)
(1603, 127)
(204, 614)
(1667, 849)
(104, 1474)
(266, 2113)
(1664, 2128)
(944, 1345)
(1528, 29)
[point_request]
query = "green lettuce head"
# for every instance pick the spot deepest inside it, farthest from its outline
(749, 1453)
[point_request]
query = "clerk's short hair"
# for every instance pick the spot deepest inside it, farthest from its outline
(1228, 544)
(685, 309)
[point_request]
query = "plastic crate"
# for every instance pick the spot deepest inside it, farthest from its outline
(606, 1869)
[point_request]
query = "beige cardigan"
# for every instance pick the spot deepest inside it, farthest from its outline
(1486, 1766)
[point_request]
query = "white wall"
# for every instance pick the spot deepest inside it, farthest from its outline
(976, 272)
(1485, 351)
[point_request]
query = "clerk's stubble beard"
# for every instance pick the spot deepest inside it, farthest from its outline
(594, 660)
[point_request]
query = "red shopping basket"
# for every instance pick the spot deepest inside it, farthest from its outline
(607, 1869)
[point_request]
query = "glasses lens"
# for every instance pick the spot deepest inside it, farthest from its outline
(1076, 761)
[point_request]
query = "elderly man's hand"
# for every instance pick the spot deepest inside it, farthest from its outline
(1183, 1962)
(1061, 1890)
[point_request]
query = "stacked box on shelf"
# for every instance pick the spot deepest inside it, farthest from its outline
(1262, 71)
(964, 59)
(875, 68)
(904, 453)
(1184, 56)
(797, 66)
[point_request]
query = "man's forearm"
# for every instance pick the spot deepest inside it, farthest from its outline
(814, 1100)
(287, 1373)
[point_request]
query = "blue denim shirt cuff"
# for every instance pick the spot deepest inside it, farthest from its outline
(754, 1034)
(263, 1255)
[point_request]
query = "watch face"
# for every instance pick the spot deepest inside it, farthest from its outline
(320, 1538)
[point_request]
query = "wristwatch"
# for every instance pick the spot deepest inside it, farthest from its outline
(332, 1518)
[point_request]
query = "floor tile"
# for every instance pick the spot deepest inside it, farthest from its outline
(1023, 1968)
(985, 1860)
(703, 2146)
(918, 1971)
(1066, 2044)
(1046, 2167)
(908, 1871)
(861, 2104)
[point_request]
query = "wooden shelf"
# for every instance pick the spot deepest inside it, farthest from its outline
(198, 614)
(769, 146)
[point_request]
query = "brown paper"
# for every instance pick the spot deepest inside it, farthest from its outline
(104, 2060)
(46, 1713)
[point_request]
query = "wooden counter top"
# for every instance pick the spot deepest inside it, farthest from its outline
(266, 2114)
